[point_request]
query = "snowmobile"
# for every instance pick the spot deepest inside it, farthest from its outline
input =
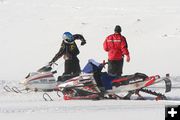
(42, 80)
(94, 84)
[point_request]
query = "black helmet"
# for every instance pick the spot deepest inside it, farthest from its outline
(117, 29)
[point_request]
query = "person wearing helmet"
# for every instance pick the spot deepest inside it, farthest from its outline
(117, 48)
(69, 51)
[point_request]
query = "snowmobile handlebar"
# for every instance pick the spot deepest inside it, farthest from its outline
(104, 63)
(52, 63)
(47, 67)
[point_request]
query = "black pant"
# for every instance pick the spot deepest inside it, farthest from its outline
(71, 69)
(115, 67)
(72, 66)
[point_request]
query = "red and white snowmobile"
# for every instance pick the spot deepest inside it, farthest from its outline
(42, 80)
(95, 84)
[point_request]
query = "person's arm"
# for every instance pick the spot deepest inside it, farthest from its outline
(79, 37)
(105, 45)
(59, 54)
(124, 48)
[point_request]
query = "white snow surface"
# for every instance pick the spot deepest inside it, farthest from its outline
(30, 35)
(32, 105)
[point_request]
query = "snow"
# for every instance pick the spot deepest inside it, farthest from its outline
(32, 106)
(30, 35)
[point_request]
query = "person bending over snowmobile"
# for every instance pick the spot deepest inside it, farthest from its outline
(70, 51)
(117, 47)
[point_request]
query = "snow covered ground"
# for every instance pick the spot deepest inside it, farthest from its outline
(30, 35)
(33, 106)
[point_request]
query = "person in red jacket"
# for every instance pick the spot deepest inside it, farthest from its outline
(117, 48)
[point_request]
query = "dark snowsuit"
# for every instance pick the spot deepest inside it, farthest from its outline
(70, 51)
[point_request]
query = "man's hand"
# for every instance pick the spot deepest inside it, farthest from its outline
(128, 58)
(50, 63)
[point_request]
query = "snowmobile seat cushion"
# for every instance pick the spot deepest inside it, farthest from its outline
(141, 75)
(106, 80)
(134, 76)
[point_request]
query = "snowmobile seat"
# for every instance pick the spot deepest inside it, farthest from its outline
(65, 77)
(127, 79)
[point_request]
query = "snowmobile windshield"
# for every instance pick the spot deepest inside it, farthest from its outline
(46, 68)
(92, 66)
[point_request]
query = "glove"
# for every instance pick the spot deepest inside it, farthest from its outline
(50, 63)
(83, 42)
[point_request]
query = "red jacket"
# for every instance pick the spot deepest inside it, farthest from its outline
(116, 46)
